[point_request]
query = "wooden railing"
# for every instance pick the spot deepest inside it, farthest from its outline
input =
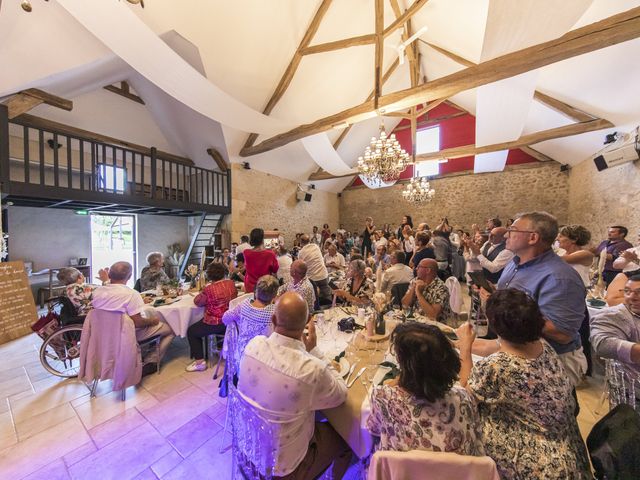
(59, 163)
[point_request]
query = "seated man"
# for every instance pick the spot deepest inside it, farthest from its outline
(381, 259)
(237, 273)
(287, 379)
(615, 332)
(117, 297)
(334, 260)
(398, 272)
(428, 292)
(300, 283)
(153, 274)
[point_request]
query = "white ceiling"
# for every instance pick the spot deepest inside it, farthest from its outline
(244, 48)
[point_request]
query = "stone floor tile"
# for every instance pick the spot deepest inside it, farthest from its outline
(43, 448)
(47, 419)
(146, 474)
(17, 384)
(168, 389)
(171, 414)
(204, 381)
(36, 403)
(166, 463)
(54, 471)
(116, 427)
(188, 438)
(124, 458)
(8, 435)
(202, 462)
(100, 409)
(79, 453)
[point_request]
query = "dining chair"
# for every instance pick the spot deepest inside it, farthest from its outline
(109, 351)
(214, 341)
(230, 371)
(621, 384)
(426, 465)
(253, 452)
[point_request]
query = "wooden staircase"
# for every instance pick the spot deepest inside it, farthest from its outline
(206, 238)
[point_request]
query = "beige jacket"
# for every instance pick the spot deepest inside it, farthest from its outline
(109, 350)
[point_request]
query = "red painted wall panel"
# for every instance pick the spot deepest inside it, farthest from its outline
(454, 132)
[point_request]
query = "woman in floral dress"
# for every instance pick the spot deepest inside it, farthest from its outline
(524, 397)
(422, 410)
(79, 292)
(359, 289)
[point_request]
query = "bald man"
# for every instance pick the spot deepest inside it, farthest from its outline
(117, 297)
(493, 256)
(300, 283)
(428, 293)
(287, 379)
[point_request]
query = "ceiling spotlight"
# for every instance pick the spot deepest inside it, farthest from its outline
(26, 5)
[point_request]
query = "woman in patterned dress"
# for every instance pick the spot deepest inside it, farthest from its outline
(359, 289)
(423, 410)
(253, 317)
(79, 292)
(524, 397)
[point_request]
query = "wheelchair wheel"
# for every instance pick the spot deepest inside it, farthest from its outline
(60, 353)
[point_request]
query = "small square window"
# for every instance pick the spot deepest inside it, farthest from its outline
(428, 168)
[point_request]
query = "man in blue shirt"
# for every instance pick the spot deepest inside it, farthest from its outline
(551, 282)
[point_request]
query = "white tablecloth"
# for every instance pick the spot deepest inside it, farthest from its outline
(181, 314)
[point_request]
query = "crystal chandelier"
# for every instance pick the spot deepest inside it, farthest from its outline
(384, 159)
(418, 190)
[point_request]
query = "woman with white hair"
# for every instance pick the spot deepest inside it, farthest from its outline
(79, 292)
(253, 316)
(153, 274)
(359, 289)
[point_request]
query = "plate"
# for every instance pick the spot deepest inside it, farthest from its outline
(162, 301)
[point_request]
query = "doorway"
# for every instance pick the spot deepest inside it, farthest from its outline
(113, 239)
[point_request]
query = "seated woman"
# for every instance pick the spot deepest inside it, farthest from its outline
(524, 397)
(359, 289)
(79, 292)
(153, 274)
(215, 297)
(422, 409)
(253, 316)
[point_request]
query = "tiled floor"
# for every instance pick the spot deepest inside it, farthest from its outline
(170, 427)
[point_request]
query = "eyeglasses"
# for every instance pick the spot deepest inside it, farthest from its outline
(628, 291)
(511, 230)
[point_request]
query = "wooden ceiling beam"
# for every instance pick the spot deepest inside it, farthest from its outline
(288, 74)
(385, 77)
(401, 20)
(25, 100)
(124, 90)
(523, 141)
(562, 108)
(610, 31)
(367, 39)
(536, 154)
(379, 52)
(431, 121)
(219, 159)
(323, 175)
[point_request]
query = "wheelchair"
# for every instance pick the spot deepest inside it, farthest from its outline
(60, 351)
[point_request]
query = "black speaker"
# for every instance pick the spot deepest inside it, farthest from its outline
(601, 163)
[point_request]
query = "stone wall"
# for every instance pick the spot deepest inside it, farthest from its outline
(266, 201)
(464, 198)
(611, 197)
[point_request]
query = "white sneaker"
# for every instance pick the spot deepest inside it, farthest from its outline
(196, 367)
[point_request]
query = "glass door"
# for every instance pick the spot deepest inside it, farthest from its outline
(113, 239)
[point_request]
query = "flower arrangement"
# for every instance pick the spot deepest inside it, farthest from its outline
(381, 301)
(192, 271)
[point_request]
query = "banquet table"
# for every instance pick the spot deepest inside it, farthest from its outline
(181, 314)
(350, 418)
